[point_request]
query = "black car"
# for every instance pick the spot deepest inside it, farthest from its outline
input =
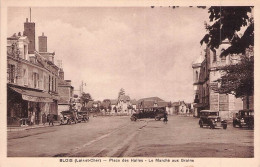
(244, 118)
(68, 117)
(152, 112)
(211, 119)
(83, 116)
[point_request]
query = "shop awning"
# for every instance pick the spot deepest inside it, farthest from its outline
(34, 96)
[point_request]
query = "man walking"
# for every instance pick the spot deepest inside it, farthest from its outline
(50, 119)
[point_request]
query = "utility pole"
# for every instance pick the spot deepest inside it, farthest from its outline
(30, 15)
(82, 87)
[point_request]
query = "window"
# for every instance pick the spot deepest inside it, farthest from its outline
(25, 52)
(11, 73)
(197, 76)
(55, 85)
(25, 77)
(49, 83)
(214, 56)
(45, 82)
(35, 80)
(52, 84)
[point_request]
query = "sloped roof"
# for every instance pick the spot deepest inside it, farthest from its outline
(89, 104)
(162, 103)
(148, 103)
(150, 98)
(113, 101)
(124, 98)
(133, 102)
(105, 104)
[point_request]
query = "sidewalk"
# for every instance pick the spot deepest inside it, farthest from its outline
(12, 129)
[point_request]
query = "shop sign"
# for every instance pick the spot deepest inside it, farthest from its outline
(37, 99)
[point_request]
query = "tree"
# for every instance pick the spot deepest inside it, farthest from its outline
(227, 22)
(85, 98)
(121, 92)
(238, 79)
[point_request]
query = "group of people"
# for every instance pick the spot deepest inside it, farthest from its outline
(45, 118)
(49, 118)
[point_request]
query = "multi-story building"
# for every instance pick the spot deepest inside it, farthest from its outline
(205, 74)
(65, 90)
(32, 80)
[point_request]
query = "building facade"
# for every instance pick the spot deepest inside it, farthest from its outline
(205, 74)
(32, 81)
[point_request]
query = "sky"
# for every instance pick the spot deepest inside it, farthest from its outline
(146, 51)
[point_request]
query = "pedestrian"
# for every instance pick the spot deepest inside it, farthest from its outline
(165, 119)
(44, 118)
(51, 119)
(32, 118)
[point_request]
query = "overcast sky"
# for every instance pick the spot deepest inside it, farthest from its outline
(147, 51)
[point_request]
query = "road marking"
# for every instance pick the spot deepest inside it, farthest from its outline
(77, 150)
(95, 140)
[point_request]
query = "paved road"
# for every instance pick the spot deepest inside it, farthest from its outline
(119, 137)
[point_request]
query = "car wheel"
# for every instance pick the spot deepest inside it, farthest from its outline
(251, 125)
(225, 126)
(240, 126)
(201, 125)
(234, 124)
(212, 126)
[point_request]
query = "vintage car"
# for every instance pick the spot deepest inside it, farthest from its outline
(244, 118)
(153, 112)
(83, 116)
(68, 117)
(211, 119)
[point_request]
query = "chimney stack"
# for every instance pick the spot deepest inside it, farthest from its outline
(42, 43)
(29, 31)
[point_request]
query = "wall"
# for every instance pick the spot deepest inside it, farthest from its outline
(62, 107)
(64, 93)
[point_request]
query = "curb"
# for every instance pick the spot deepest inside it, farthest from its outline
(14, 129)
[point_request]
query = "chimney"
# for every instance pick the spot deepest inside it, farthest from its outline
(61, 74)
(29, 31)
(42, 43)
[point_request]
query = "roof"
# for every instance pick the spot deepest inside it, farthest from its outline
(105, 104)
(151, 98)
(96, 102)
(89, 104)
(133, 102)
(146, 104)
(162, 103)
(113, 101)
(124, 98)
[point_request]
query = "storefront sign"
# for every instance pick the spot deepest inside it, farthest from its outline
(37, 99)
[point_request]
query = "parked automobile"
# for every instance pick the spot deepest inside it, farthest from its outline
(153, 112)
(244, 118)
(211, 119)
(83, 116)
(68, 117)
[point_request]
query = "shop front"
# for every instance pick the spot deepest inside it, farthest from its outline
(27, 106)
